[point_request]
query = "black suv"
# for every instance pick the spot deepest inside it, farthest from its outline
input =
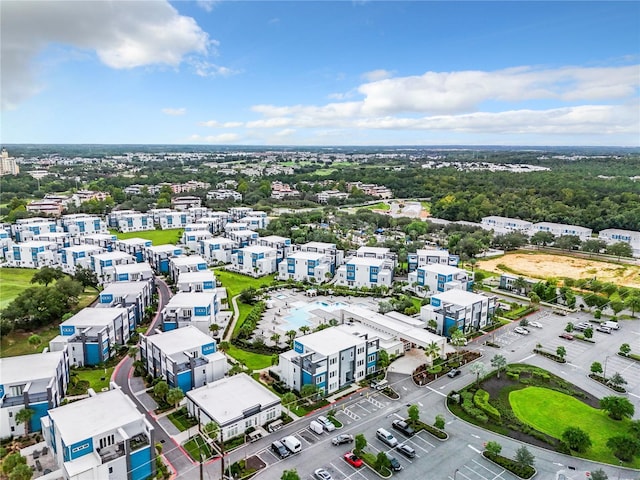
(403, 427)
(279, 449)
(395, 464)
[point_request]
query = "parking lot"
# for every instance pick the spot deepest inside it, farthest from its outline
(481, 469)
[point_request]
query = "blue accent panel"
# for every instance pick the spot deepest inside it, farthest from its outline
(78, 449)
(184, 381)
(207, 285)
(448, 323)
(1, 391)
(166, 326)
(67, 330)
(298, 347)
(307, 379)
(123, 277)
(40, 410)
(435, 302)
(208, 348)
(202, 266)
(106, 298)
(200, 311)
(164, 265)
(139, 257)
(93, 353)
(141, 464)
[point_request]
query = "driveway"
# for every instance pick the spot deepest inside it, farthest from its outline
(409, 362)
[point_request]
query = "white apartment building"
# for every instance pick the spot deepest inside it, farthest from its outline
(135, 247)
(615, 235)
(5, 242)
(381, 253)
(172, 219)
(138, 295)
(77, 256)
(217, 250)
(560, 229)
(159, 256)
(336, 256)
(306, 267)
(243, 238)
(191, 238)
(185, 203)
(197, 309)
(132, 221)
(104, 263)
(257, 220)
(106, 241)
(358, 272)
(436, 277)
(200, 281)
(132, 272)
(426, 256)
(254, 260)
(463, 310)
(325, 196)
(82, 224)
(281, 244)
(8, 165)
(224, 194)
(505, 224)
(185, 263)
(24, 229)
(62, 239)
(33, 254)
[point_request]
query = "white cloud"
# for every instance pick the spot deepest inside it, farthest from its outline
(207, 5)
(174, 111)
(216, 124)
(376, 75)
(287, 132)
(123, 34)
(203, 68)
(222, 138)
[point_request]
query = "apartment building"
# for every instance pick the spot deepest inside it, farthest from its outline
(243, 238)
(436, 277)
(159, 256)
(463, 310)
(77, 256)
(131, 221)
(104, 263)
(138, 295)
(281, 244)
(336, 256)
(173, 219)
(83, 224)
(106, 241)
(24, 229)
(135, 247)
(254, 260)
(197, 309)
(503, 225)
(191, 238)
(369, 272)
(33, 254)
(184, 264)
(217, 250)
(615, 235)
(132, 272)
(560, 229)
(200, 281)
(426, 256)
(306, 267)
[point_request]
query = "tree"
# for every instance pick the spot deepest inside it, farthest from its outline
(620, 249)
(24, 416)
(360, 443)
(599, 475)
(588, 333)
(212, 430)
(524, 458)
(308, 391)
(633, 303)
(86, 277)
(382, 461)
(624, 447)
(161, 389)
(291, 334)
(214, 328)
(567, 242)
(479, 370)
(224, 346)
(432, 350)
(11, 461)
(275, 338)
(21, 472)
(634, 429)
(596, 368)
(457, 336)
(542, 238)
(617, 380)
(625, 349)
(520, 285)
(617, 307)
(290, 475)
(617, 407)
(414, 413)
(569, 327)
(383, 360)
(249, 296)
(577, 439)
(304, 329)
(46, 275)
(439, 423)
(593, 245)
(561, 352)
(175, 396)
(35, 340)
(498, 362)
(493, 447)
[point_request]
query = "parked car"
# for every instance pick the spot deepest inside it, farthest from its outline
(406, 450)
(454, 372)
(603, 329)
(403, 427)
(566, 336)
(326, 423)
(395, 464)
(386, 437)
(521, 330)
(535, 324)
(342, 438)
(322, 474)
(581, 326)
(353, 460)
(279, 449)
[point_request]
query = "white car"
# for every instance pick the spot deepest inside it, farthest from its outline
(521, 330)
(326, 423)
(322, 474)
(535, 324)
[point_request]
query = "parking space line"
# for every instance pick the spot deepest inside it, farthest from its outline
(417, 446)
(338, 470)
(417, 435)
(488, 469)
(358, 405)
(476, 473)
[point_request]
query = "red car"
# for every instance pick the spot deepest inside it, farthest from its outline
(353, 460)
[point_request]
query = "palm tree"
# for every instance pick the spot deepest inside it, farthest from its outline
(304, 329)
(432, 351)
(214, 328)
(499, 362)
(291, 334)
(24, 416)
(275, 338)
(520, 284)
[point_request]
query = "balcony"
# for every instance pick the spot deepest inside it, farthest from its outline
(12, 401)
(111, 452)
(138, 442)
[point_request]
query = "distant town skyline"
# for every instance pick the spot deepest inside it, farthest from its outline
(312, 73)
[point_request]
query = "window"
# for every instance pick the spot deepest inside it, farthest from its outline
(371, 358)
(332, 374)
(360, 363)
(360, 350)
(106, 441)
(333, 361)
(110, 469)
(16, 390)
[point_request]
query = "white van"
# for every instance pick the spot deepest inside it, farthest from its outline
(386, 437)
(292, 444)
(316, 427)
(611, 325)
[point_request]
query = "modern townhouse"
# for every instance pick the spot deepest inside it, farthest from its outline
(158, 213)
(91, 334)
(191, 239)
(560, 229)
(138, 295)
(329, 359)
(77, 256)
(381, 253)
(197, 213)
(33, 254)
(134, 222)
(184, 264)
(256, 220)
(217, 250)
(172, 219)
(237, 213)
(243, 238)
(200, 281)
(103, 437)
(106, 241)
(459, 309)
(254, 260)
(214, 221)
(62, 239)
(336, 256)
(505, 224)
(235, 226)
(5, 242)
(135, 247)
(185, 203)
(114, 215)
(426, 256)
(186, 358)
(24, 229)
(306, 267)
(132, 272)
(235, 404)
(615, 235)
(37, 382)
(83, 224)
(281, 244)
(104, 263)
(436, 277)
(369, 272)
(197, 309)
(159, 256)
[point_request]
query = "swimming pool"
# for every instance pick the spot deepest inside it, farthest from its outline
(301, 316)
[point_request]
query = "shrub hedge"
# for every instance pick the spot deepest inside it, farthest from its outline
(481, 400)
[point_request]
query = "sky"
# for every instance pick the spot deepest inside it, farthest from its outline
(320, 73)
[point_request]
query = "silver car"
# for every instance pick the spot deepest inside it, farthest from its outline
(322, 474)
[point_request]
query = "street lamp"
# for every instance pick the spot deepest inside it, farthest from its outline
(455, 474)
(604, 373)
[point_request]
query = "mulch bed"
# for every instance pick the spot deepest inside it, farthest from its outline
(255, 462)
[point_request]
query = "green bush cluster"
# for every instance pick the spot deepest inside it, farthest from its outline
(513, 376)
(522, 471)
(251, 322)
(470, 409)
(544, 376)
(481, 400)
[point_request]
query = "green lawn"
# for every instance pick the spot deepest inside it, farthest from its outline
(158, 237)
(552, 412)
(196, 446)
(254, 361)
(12, 282)
(95, 377)
(15, 343)
(235, 282)
(182, 420)
(378, 206)
(242, 316)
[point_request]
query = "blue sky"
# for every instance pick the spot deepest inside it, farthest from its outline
(321, 73)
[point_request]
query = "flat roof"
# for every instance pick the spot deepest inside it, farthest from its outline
(318, 245)
(112, 255)
(329, 341)
(441, 268)
(218, 240)
(124, 287)
(179, 340)
(133, 267)
(258, 249)
(379, 250)
(187, 260)
(35, 243)
(133, 241)
(196, 276)
(25, 368)
(307, 255)
(94, 415)
(562, 225)
(83, 248)
(225, 400)
(366, 261)
(459, 297)
(434, 251)
(91, 316)
(274, 238)
(191, 299)
(163, 248)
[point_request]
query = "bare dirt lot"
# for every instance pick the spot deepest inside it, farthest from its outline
(543, 266)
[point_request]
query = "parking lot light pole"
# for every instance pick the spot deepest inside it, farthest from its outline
(604, 372)
(455, 474)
